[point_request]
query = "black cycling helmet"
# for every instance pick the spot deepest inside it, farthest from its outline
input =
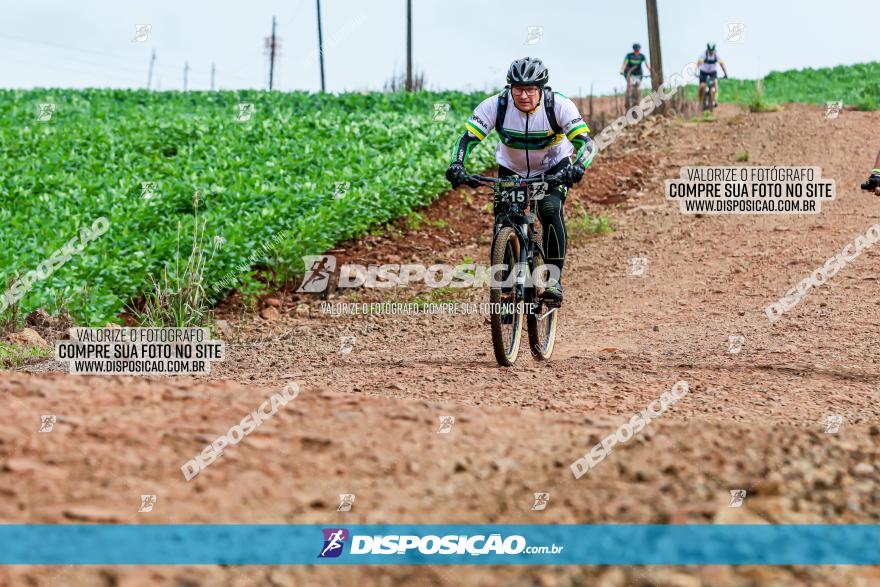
(528, 71)
(710, 47)
(636, 47)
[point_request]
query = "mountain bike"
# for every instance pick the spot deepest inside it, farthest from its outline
(633, 90)
(516, 259)
(709, 93)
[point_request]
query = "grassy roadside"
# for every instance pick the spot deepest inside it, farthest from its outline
(854, 85)
(13, 355)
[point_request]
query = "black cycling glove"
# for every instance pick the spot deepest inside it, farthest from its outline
(572, 174)
(456, 174)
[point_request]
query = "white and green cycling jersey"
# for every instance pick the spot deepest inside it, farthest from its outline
(531, 147)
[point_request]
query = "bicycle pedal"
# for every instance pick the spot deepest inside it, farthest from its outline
(552, 303)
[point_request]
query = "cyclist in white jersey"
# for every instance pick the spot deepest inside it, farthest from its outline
(709, 62)
(540, 132)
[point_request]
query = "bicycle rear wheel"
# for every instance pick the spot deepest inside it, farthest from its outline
(505, 313)
(541, 322)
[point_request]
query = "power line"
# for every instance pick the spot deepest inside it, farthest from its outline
(58, 66)
(131, 66)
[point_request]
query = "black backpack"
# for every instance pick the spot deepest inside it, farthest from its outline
(503, 99)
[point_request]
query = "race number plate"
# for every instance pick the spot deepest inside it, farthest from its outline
(517, 195)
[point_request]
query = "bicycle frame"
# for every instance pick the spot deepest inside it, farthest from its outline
(515, 216)
(523, 224)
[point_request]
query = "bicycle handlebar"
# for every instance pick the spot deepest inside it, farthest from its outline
(539, 178)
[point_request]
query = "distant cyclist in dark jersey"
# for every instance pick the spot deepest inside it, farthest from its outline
(708, 63)
(540, 131)
(632, 66)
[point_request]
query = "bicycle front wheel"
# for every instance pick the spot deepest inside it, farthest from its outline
(505, 308)
(541, 320)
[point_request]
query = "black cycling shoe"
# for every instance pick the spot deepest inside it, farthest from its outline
(552, 294)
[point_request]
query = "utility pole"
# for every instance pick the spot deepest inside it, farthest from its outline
(185, 74)
(654, 48)
(409, 77)
(272, 56)
(321, 46)
(213, 74)
(150, 73)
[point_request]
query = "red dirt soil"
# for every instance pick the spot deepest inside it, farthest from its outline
(367, 421)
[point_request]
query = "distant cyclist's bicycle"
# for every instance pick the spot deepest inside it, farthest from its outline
(517, 277)
(633, 89)
(709, 102)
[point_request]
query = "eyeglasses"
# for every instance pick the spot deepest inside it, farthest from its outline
(527, 91)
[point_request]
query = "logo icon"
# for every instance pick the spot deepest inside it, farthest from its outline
(147, 503)
(340, 188)
(148, 189)
(245, 111)
(637, 266)
(833, 422)
(539, 190)
(735, 31)
(46, 111)
(541, 501)
(446, 424)
(534, 34)
(737, 496)
(347, 344)
(346, 501)
(441, 109)
(47, 423)
(735, 343)
(318, 275)
(833, 109)
(334, 541)
(141, 32)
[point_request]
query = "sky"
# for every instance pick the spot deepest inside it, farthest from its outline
(458, 44)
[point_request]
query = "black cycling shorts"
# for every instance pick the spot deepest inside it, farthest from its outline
(705, 76)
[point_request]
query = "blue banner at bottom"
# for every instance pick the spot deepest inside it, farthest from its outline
(453, 544)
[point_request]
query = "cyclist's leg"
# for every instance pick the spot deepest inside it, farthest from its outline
(702, 87)
(717, 87)
(555, 236)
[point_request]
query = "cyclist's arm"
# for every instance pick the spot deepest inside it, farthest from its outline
(575, 129)
(585, 147)
(463, 147)
(477, 127)
(623, 67)
(723, 67)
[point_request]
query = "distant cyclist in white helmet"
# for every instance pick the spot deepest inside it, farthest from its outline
(542, 133)
(708, 63)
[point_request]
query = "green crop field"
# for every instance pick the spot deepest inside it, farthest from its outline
(275, 173)
(855, 85)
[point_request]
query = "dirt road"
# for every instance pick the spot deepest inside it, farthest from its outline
(367, 419)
